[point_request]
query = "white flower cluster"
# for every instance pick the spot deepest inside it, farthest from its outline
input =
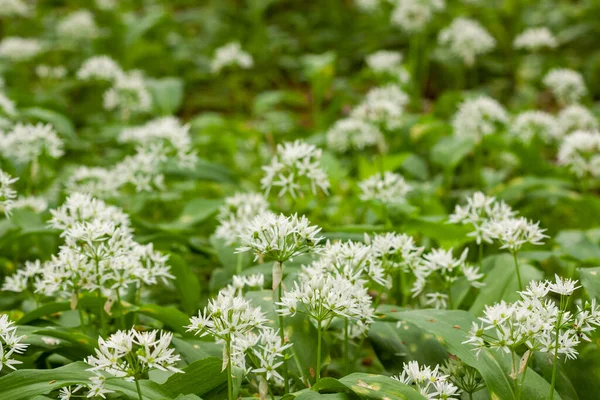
(26, 143)
(231, 55)
(536, 322)
(437, 271)
(534, 39)
(512, 233)
(24, 279)
(240, 282)
(13, 8)
(99, 252)
(529, 124)
(430, 383)
(7, 193)
(78, 25)
(237, 213)
(129, 95)
(566, 85)
(575, 118)
(106, 5)
(466, 39)
(479, 212)
(479, 117)
(18, 49)
(580, 152)
(384, 61)
(10, 343)
(99, 68)
(44, 71)
(413, 16)
(395, 251)
(295, 166)
(33, 203)
(387, 188)
(279, 238)
(367, 5)
(382, 106)
(354, 134)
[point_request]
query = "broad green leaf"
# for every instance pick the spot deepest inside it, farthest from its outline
(579, 245)
(194, 212)
(186, 283)
(61, 123)
(203, 171)
(590, 279)
(200, 377)
(436, 228)
(193, 350)
(449, 151)
(368, 386)
(167, 94)
(170, 316)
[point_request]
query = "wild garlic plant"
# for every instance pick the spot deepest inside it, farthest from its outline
(463, 376)
(10, 343)
(7, 192)
(567, 85)
(430, 383)
(538, 323)
(385, 189)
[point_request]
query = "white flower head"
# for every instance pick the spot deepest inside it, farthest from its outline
(413, 16)
(575, 118)
(353, 134)
(78, 25)
(18, 49)
(513, 233)
(580, 152)
(7, 193)
(26, 143)
(534, 39)
(14, 8)
(384, 61)
(99, 68)
(383, 106)
(466, 39)
(479, 117)
(231, 55)
(129, 95)
(10, 343)
(567, 85)
(237, 213)
(529, 124)
(387, 188)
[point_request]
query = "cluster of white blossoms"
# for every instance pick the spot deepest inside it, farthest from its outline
(537, 322)
(479, 117)
(529, 124)
(436, 273)
(479, 212)
(78, 25)
(44, 71)
(413, 16)
(13, 8)
(18, 49)
(466, 39)
(566, 85)
(387, 188)
(10, 343)
(534, 39)
(241, 282)
(26, 143)
(384, 61)
(354, 134)
(7, 193)
(382, 106)
(395, 251)
(367, 5)
(102, 68)
(33, 203)
(128, 95)
(430, 383)
(575, 118)
(512, 233)
(231, 55)
(580, 152)
(106, 5)
(237, 213)
(99, 253)
(295, 167)
(24, 279)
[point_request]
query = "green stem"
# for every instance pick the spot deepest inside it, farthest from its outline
(318, 376)
(563, 306)
(139, 389)
(520, 390)
(282, 336)
(470, 396)
(229, 378)
(481, 256)
(450, 299)
(81, 319)
(238, 265)
(121, 316)
(346, 340)
(514, 253)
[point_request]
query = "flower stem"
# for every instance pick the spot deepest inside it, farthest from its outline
(563, 307)
(346, 341)
(139, 389)
(514, 253)
(318, 375)
(282, 336)
(121, 316)
(238, 265)
(229, 378)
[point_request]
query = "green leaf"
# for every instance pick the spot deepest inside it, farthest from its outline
(61, 123)
(434, 227)
(170, 316)
(449, 151)
(590, 279)
(579, 245)
(204, 171)
(368, 386)
(167, 94)
(186, 283)
(194, 212)
(200, 377)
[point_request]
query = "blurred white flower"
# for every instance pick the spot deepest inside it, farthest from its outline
(413, 16)
(580, 152)
(44, 71)
(78, 25)
(19, 49)
(34, 203)
(575, 118)
(26, 143)
(367, 5)
(387, 188)
(7, 193)
(479, 117)
(354, 134)
(466, 38)
(129, 95)
(231, 55)
(237, 213)
(384, 61)
(14, 8)
(99, 68)
(529, 124)
(382, 106)
(7, 106)
(566, 85)
(534, 39)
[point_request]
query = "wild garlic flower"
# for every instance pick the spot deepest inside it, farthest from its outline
(95, 181)
(395, 251)
(102, 68)
(430, 383)
(567, 85)
(78, 25)
(467, 39)
(231, 55)
(269, 353)
(384, 61)
(382, 106)
(536, 322)
(26, 143)
(534, 39)
(34, 203)
(44, 71)
(479, 212)
(529, 124)
(413, 16)
(387, 188)
(295, 167)
(479, 117)
(19, 49)
(106, 5)
(512, 233)
(25, 278)
(237, 213)
(575, 118)
(165, 137)
(10, 343)
(13, 8)
(354, 134)
(129, 95)
(240, 282)
(367, 5)
(132, 354)
(79, 207)
(465, 377)
(278, 237)
(580, 152)
(7, 193)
